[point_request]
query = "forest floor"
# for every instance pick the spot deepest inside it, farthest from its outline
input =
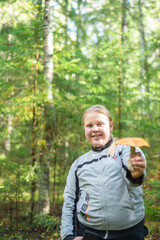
(48, 227)
(154, 228)
(30, 234)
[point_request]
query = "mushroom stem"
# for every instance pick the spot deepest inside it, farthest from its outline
(129, 164)
(132, 151)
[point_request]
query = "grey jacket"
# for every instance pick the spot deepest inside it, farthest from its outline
(101, 191)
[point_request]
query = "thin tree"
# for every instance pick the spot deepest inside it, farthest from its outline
(66, 21)
(43, 186)
(79, 22)
(144, 72)
(38, 3)
(121, 71)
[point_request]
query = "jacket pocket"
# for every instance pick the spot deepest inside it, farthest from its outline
(83, 204)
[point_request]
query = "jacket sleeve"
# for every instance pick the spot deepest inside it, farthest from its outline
(69, 206)
(125, 155)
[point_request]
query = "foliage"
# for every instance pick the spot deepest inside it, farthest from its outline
(96, 61)
(152, 196)
(45, 222)
(152, 206)
(43, 227)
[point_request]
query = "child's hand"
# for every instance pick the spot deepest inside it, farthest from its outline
(139, 165)
(78, 238)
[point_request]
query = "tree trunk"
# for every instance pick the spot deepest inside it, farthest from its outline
(48, 46)
(33, 183)
(8, 77)
(79, 22)
(34, 125)
(11, 214)
(34, 118)
(145, 85)
(44, 200)
(120, 104)
(9, 130)
(124, 22)
(121, 71)
(17, 207)
(55, 163)
(66, 22)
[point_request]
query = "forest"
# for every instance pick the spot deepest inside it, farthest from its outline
(57, 58)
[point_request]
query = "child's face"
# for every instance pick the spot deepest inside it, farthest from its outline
(98, 129)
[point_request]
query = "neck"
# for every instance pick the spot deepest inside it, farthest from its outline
(98, 149)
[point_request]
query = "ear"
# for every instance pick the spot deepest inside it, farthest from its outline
(111, 126)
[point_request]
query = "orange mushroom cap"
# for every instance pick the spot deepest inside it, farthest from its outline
(133, 142)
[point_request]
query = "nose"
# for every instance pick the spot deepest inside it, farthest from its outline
(95, 128)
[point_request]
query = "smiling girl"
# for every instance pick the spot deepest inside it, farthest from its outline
(101, 194)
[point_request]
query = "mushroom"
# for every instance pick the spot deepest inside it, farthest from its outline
(132, 142)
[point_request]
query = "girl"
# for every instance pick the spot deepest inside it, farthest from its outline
(101, 195)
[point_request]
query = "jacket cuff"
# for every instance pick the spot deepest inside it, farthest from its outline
(134, 180)
(69, 237)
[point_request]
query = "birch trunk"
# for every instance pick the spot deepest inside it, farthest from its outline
(121, 71)
(144, 73)
(44, 199)
(79, 3)
(34, 112)
(8, 77)
(9, 130)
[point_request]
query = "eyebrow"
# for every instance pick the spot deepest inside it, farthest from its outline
(88, 124)
(92, 123)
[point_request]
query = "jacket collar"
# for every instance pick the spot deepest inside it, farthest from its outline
(98, 149)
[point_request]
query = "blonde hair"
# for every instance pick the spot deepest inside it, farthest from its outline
(102, 109)
(98, 108)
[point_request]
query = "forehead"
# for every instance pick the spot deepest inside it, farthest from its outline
(95, 117)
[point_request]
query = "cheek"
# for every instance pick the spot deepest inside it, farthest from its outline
(107, 131)
(86, 133)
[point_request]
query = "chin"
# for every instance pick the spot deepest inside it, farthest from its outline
(97, 145)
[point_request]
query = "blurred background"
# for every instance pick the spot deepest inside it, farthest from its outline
(56, 59)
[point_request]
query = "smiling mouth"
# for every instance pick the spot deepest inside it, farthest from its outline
(96, 136)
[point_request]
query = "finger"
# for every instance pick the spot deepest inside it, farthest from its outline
(137, 159)
(136, 154)
(137, 174)
(139, 166)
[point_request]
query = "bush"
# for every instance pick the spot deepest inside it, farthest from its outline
(46, 222)
(152, 196)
